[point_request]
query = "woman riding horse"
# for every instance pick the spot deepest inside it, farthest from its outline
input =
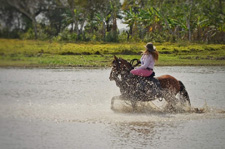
(130, 90)
(150, 55)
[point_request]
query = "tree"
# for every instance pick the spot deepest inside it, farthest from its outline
(57, 20)
(131, 12)
(197, 20)
(29, 8)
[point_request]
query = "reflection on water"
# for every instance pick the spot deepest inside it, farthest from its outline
(133, 134)
(70, 108)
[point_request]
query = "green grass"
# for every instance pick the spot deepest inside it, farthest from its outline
(30, 53)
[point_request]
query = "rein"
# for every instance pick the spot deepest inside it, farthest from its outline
(137, 62)
(121, 65)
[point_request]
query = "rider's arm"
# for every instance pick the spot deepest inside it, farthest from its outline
(146, 62)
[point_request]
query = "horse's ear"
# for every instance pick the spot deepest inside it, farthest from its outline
(115, 58)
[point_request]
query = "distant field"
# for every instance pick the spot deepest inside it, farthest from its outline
(31, 53)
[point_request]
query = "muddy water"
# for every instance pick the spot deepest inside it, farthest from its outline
(70, 108)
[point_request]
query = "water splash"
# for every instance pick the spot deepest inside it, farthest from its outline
(161, 107)
(123, 112)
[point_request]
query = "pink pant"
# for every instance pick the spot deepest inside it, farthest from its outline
(141, 72)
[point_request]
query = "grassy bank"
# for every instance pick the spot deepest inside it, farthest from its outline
(29, 53)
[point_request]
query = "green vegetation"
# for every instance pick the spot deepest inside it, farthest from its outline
(31, 53)
(96, 20)
(85, 32)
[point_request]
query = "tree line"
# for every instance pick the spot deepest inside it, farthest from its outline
(96, 20)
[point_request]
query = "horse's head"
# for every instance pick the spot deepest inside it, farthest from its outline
(115, 71)
(119, 67)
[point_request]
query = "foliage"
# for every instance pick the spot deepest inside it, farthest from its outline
(96, 20)
(28, 35)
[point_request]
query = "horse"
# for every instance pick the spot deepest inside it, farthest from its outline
(136, 88)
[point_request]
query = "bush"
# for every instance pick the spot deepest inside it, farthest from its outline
(122, 37)
(66, 36)
(111, 36)
(154, 37)
(43, 35)
(6, 33)
(28, 35)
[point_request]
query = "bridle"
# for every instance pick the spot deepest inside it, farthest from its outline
(120, 66)
(115, 70)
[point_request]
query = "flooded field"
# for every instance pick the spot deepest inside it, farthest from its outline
(70, 108)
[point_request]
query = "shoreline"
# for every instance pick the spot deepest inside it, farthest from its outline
(95, 67)
(91, 63)
(44, 54)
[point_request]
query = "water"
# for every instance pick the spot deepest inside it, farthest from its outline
(70, 108)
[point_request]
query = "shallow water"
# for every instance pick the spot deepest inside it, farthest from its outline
(70, 108)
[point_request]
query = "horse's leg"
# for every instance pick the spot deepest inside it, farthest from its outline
(133, 104)
(170, 98)
(113, 99)
(112, 102)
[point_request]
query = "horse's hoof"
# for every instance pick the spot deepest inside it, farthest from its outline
(197, 110)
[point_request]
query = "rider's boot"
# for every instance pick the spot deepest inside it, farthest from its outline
(131, 75)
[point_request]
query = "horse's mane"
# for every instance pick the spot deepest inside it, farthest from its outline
(126, 63)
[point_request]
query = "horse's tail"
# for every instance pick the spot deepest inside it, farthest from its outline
(184, 92)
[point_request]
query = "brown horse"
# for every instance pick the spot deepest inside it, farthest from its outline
(131, 88)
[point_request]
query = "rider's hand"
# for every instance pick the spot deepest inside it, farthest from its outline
(138, 62)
